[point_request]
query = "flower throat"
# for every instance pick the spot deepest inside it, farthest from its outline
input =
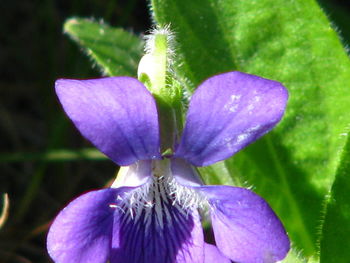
(158, 195)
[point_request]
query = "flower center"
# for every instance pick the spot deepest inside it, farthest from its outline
(160, 195)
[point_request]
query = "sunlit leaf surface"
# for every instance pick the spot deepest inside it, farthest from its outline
(292, 42)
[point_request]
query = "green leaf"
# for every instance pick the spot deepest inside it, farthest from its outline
(116, 51)
(292, 42)
(335, 245)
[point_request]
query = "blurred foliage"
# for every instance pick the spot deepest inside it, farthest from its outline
(4, 208)
(37, 137)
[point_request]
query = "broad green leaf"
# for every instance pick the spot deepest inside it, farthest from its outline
(116, 51)
(292, 42)
(335, 245)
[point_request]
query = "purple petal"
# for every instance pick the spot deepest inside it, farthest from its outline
(245, 227)
(82, 232)
(167, 235)
(212, 254)
(184, 173)
(228, 112)
(118, 115)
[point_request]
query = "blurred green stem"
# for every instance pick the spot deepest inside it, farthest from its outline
(59, 155)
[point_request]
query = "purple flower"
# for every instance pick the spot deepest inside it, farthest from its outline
(151, 214)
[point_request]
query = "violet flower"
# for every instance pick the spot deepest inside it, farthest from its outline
(150, 215)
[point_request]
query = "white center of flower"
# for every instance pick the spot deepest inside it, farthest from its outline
(160, 193)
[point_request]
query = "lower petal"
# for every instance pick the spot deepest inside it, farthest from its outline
(82, 231)
(245, 227)
(164, 234)
(212, 254)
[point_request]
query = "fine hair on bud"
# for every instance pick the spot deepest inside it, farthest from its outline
(170, 41)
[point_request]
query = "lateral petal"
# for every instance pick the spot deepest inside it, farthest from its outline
(118, 115)
(82, 231)
(245, 227)
(226, 113)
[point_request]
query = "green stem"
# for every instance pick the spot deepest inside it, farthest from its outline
(154, 72)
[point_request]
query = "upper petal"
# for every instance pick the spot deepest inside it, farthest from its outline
(82, 232)
(118, 115)
(228, 112)
(158, 234)
(245, 227)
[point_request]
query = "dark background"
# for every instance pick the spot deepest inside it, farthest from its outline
(33, 54)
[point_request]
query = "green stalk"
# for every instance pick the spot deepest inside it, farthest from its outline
(154, 72)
